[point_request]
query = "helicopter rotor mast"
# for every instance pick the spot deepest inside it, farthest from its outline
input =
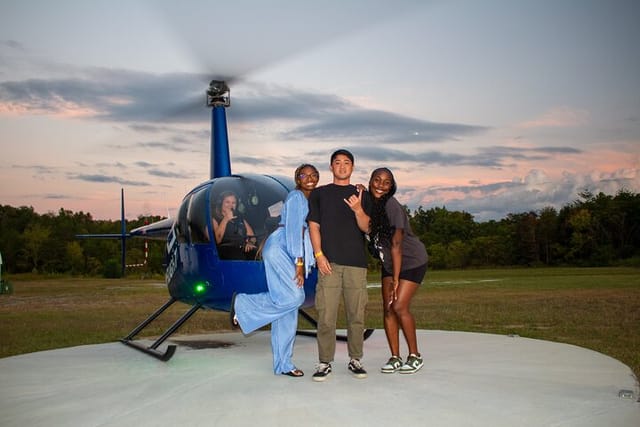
(218, 97)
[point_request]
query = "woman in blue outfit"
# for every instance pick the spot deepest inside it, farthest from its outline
(288, 258)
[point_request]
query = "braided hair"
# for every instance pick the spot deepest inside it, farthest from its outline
(381, 230)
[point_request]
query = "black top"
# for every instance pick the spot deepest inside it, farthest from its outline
(342, 240)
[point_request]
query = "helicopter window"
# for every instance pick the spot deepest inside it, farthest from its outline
(255, 197)
(182, 228)
(233, 233)
(197, 216)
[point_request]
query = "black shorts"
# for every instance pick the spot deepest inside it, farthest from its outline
(413, 274)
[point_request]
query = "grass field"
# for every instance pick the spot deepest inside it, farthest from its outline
(595, 308)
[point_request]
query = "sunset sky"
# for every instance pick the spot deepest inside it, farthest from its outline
(491, 107)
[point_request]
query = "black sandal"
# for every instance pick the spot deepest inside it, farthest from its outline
(295, 372)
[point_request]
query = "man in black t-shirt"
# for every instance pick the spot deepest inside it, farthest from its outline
(337, 222)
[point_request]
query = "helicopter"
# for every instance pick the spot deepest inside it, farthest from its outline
(197, 273)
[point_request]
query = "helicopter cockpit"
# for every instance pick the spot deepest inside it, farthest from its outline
(259, 200)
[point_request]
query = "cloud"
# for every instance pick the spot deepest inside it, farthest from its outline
(164, 173)
(11, 45)
(166, 115)
(51, 196)
(108, 179)
(37, 169)
(262, 102)
(145, 99)
(107, 95)
(533, 192)
(488, 157)
(379, 126)
(559, 117)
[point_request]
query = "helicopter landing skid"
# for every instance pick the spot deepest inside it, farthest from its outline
(152, 350)
(314, 322)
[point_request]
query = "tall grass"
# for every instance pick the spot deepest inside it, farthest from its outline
(596, 308)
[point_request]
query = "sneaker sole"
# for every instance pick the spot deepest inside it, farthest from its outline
(320, 379)
(358, 376)
(389, 371)
(413, 371)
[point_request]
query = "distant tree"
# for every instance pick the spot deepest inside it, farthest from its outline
(627, 223)
(419, 223)
(437, 256)
(546, 233)
(35, 237)
(500, 234)
(438, 225)
(75, 257)
(13, 222)
(522, 238)
(458, 254)
(112, 269)
(487, 251)
(582, 236)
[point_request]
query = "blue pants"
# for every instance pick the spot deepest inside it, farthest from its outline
(279, 306)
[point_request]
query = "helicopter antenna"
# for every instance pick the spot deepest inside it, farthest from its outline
(218, 97)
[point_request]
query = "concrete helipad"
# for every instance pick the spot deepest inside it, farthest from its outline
(225, 379)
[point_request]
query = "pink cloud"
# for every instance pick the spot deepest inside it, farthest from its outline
(558, 117)
(56, 107)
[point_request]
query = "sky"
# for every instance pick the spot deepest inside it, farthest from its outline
(491, 107)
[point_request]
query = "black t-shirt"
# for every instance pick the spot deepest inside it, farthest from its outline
(342, 240)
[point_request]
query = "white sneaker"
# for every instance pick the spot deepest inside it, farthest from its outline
(392, 365)
(412, 365)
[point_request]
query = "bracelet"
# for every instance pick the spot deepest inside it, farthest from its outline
(317, 254)
(299, 263)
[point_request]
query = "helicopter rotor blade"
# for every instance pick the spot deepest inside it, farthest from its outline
(233, 40)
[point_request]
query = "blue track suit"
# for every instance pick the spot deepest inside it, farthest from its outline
(279, 306)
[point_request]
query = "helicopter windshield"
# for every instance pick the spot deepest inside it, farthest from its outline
(252, 204)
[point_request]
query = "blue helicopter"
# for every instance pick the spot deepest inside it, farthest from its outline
(197, 273)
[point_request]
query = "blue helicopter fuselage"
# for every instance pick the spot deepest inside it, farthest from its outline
(196, 272)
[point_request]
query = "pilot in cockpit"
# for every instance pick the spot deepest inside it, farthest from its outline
(234, 236)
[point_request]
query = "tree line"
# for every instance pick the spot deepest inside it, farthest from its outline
(595, 230)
